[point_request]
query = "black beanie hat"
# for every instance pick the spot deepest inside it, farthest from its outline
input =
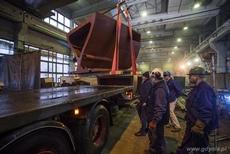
(146, 74)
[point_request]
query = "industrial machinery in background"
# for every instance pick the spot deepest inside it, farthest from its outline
(220, 87)
(223, 98)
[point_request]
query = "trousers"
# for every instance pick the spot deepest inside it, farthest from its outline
(193, 142)
(141, 110)
(173, 118)
(156, 139)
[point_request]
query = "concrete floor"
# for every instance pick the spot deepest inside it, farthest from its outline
(123, 141)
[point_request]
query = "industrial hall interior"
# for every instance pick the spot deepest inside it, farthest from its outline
(114, 76)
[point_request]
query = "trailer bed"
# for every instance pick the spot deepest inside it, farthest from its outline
(24, 107)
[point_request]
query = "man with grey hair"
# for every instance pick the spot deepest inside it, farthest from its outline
(157, 114)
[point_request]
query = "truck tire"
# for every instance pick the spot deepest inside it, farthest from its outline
(41, 142)
(93, 135)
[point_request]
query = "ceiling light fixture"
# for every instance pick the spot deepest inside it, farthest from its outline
(179, 39)
(148, 32)
(188, 63)
(196, 5)
(182, 66)
(199, 3)
(150, 41)
(144, 14)
(185, 28)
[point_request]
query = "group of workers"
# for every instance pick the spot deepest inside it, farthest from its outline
(158, 96)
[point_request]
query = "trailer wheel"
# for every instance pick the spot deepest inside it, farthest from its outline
(93, 135)
(41, 142)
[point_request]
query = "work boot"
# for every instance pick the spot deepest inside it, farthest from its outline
(168, 126)
(140, 133)
(175, 129)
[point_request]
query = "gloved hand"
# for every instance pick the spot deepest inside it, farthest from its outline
(152, 126)
(198, 128)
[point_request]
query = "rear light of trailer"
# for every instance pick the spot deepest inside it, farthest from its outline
(129, 94)
(76, 111)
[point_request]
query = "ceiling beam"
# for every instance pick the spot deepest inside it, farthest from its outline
(171, 39)
(106, 4)
(173, 17)
(41, 8)
(168, 46)
(133, 2)
(166, 38)
(179, 31)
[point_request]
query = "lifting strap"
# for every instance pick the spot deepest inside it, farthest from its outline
(115, 63)
(133, 56)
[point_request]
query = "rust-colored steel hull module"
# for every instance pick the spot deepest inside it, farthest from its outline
(93, 44)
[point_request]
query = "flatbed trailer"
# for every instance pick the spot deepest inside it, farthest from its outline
(64, 120)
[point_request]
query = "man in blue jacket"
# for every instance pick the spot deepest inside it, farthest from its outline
(201, 116)
(175, 91)
(157, 114)
(141, 106)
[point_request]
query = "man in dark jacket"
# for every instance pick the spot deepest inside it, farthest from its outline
(201, 116)
(157, 114)
(175, 91)
(141, 106)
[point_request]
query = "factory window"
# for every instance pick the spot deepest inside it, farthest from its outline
(59, 21)
(60, 57)
(44, 55)
(6, 47)
(54, 16)
(66, 68)
(75, 25)
(60, 26)
(47, 20)
(44, 66)
(66, 59)
(67, 21)
(30, 48)
(52, 56)
(60, 18)
(66, 29)
(53, 22)
(52, 67)
(53, 64)
(59, 68)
